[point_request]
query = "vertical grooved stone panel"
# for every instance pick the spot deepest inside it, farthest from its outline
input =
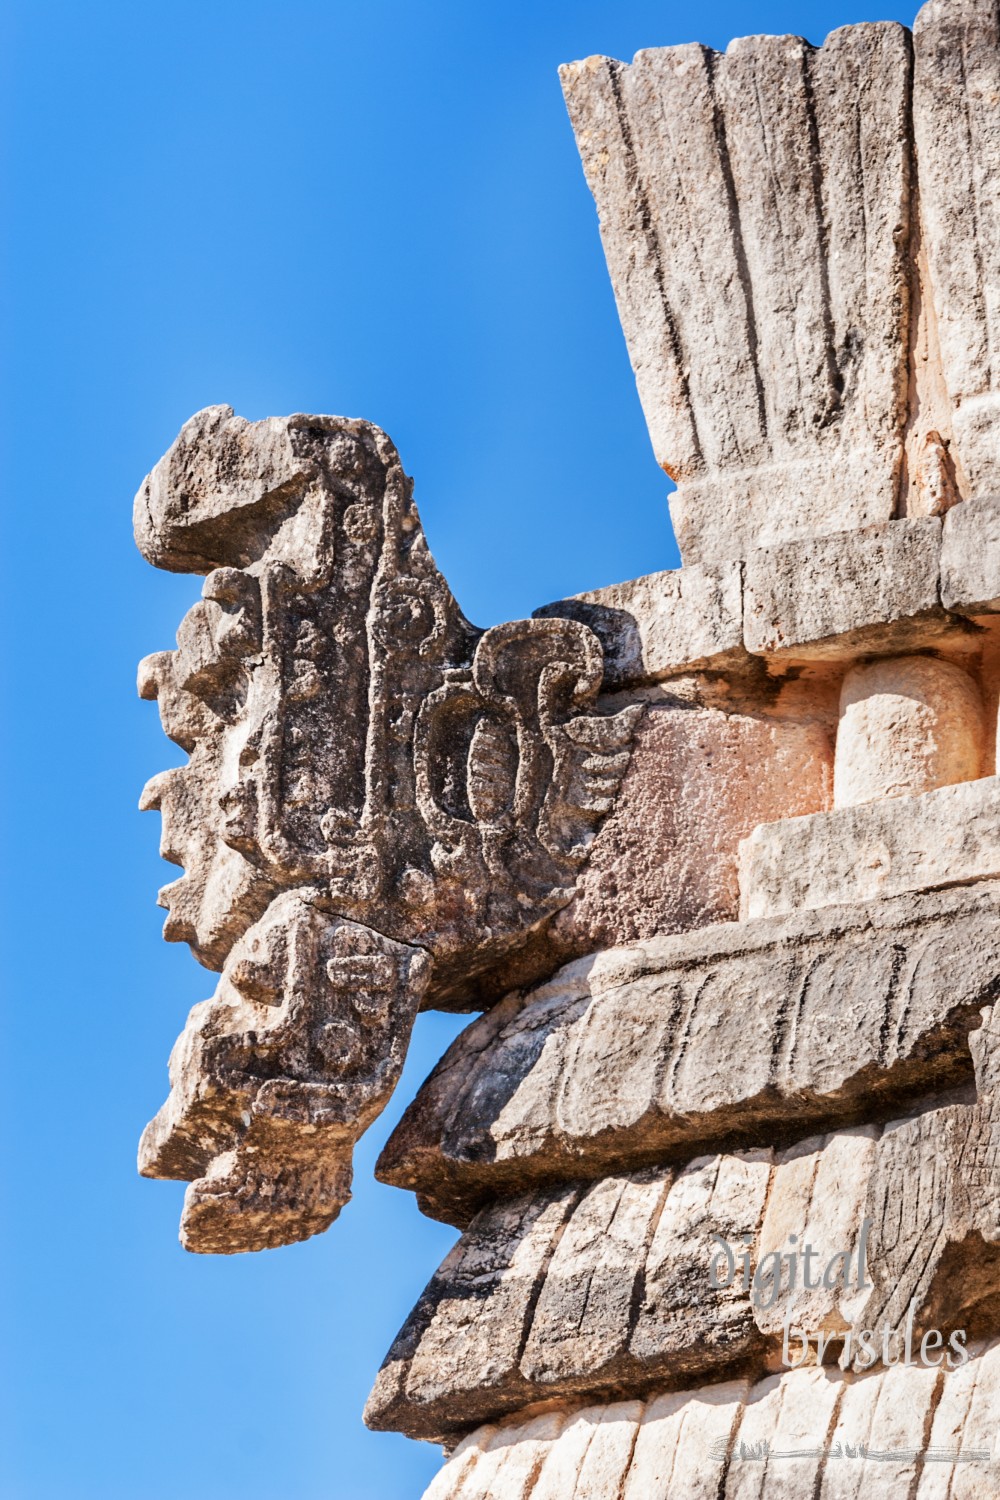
(754, 209)
(957, 134)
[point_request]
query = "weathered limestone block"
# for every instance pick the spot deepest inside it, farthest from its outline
(676, 1438)
(812, 326)
(934, 1199)
(381, 801)
(516, 1455)
(646, 1311)
(819, 1194)
(907, 725)
(965, 1418)
(895, 1424)
(582, 1315)
(941, 838)
(907, 1433)
(713, 1037)
(970, 557)
(957, 139)
(754, 210)
(625, 1302)
(608, 1453)
(701, 778)
(467, 1454)
(663, 624)
(934, 1204)
(788, 1417)
(834, 597)
(563, 1463)
(681, 1324)
(461, 1346)
(897, 587)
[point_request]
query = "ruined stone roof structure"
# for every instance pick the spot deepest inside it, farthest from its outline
(713, 855)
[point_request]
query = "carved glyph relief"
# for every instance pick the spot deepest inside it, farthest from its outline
(379, 801)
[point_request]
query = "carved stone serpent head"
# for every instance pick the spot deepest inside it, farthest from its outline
(380, 802)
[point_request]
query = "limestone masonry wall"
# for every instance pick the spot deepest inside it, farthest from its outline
(712, 856)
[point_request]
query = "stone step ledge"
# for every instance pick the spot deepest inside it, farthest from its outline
(900, 586)
(945, 837)
(738, 1033)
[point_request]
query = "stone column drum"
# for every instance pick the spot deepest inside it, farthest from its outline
(907, 725)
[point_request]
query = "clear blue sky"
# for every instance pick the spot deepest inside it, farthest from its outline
(367, 207)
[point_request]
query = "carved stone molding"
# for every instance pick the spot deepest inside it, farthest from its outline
(734, 1034)
(603, 1289)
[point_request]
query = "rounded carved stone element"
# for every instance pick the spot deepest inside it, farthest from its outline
(907, 725)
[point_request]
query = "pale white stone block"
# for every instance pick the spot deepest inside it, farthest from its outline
(907, 725)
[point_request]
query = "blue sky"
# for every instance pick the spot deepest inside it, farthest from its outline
(373, 209)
